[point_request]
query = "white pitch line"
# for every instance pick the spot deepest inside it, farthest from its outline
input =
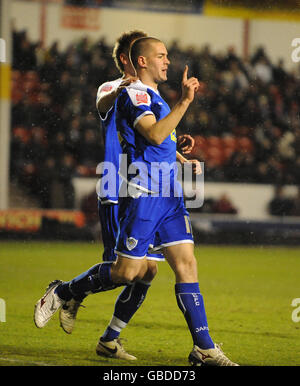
(25, 361)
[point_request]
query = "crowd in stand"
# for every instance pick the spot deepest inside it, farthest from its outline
(245, 119)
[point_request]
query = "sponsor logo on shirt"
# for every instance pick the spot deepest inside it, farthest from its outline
(141, 98)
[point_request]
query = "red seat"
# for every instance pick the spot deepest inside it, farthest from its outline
(215, 155)
(16, 95)
(83, 170)
(214, 141)
(16, 75)
(230, 145)
(198, 153)
(228, 151)
(202, 88)
(31, 75)
(200, 141)
(39, 134)
(229, 141)
(22, 134)
(245, 144)
(199, 147)
(29, 85)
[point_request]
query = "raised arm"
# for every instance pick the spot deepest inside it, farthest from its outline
(156, 132)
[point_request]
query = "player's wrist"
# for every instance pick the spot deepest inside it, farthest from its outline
(184, 102)
(180, 157)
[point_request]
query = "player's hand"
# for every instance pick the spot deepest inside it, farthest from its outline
(185, 143)
(126, 82)
(188, 86)
(196, 166)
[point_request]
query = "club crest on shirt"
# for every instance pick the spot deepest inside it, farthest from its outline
(131, 243)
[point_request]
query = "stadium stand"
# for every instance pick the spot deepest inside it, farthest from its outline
(245, 123)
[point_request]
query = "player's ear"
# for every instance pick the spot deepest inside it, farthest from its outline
(142, 61)
(124, 59)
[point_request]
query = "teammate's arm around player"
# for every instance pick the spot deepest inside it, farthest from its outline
(106, 101)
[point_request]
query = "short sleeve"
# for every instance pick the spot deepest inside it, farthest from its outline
(139, 104)
(105, 88)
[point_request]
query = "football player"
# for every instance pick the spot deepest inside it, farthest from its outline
(133, 294)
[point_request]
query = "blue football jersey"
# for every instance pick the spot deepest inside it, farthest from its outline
(109, 182)
(148, 166)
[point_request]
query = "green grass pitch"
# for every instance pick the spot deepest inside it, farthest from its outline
(247, 292)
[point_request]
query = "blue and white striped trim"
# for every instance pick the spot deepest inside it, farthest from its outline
(157, 248)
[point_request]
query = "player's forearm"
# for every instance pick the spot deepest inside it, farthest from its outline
(107, 101)
(180, 158)
(160, 130)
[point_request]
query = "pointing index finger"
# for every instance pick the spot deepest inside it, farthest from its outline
(184, 76)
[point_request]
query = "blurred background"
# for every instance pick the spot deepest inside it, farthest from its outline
(245, 121)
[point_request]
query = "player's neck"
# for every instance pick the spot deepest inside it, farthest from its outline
(127, 74)
(148, 81)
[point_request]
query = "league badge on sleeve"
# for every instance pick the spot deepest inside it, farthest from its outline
(106, 88)
(139, 97)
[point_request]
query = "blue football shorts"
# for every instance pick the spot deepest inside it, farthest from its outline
(151, 223)
(108, 216)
